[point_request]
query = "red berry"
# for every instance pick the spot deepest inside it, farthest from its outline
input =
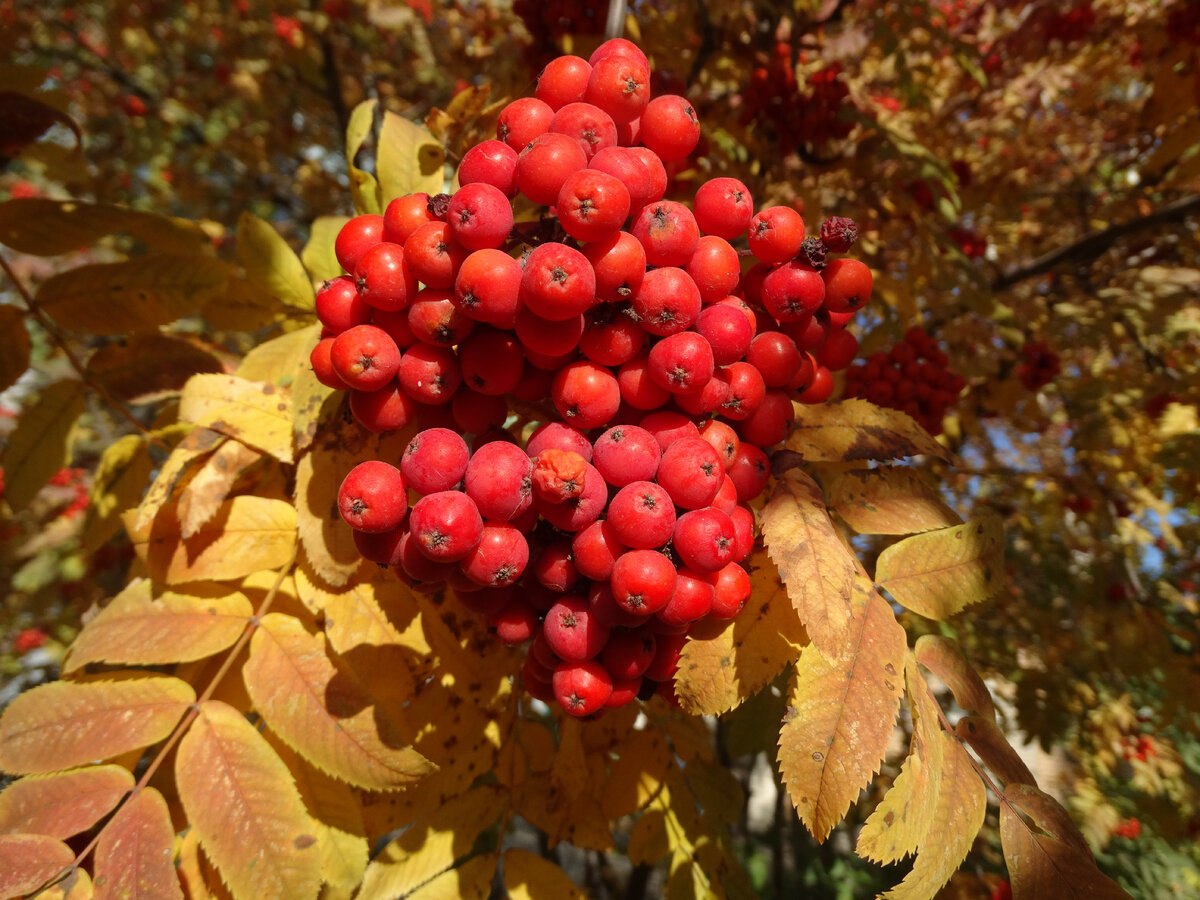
(775, 234)
(339, 306)
(643, 581)
(705, 539)
(373, 497)
(446, 525)
(479, 217)
(385, 278)
(499, 480)
(365, 357)
(434, 460)
(522, 120)
(642, 515)
(404, 215)
(355, 238)
(724, 207)
(572, 631)
(564, 80)
(490, 162)
(582, 688)
(592, 205)
(669, 127)
(668, 232)
(499, 558)
(545, 163)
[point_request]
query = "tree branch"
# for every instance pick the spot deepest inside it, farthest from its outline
(1090, 246)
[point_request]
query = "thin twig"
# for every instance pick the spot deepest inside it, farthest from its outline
(56, 336)
(614, 27)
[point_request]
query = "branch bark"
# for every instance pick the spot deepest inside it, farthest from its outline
(1090, 246)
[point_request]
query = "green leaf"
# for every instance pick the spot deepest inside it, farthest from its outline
(271, 265)
(40, 445)
(409, 160)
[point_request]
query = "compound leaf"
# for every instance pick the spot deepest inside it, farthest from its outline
(63, 804)
(840, 715)
(939, 573)
(66, 724)
(322, 711)
(724, 663)
(142, 627)
(242, 802)
(815, 564)
(135, 855)
(852, 430)
(256, 413)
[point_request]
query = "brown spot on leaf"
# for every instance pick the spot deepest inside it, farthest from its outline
(304, 841)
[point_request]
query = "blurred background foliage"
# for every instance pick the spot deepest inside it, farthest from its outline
(1025, 177)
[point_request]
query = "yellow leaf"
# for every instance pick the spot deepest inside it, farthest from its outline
(14, 345)
(195, 445)
(243, 804)
(64, 804)
(649, 842)
(43, 227)
(1046, 855)
(840, 716)
(309, 401)
(724, 663)
(409, 159)
(942, 656)
(852, 430)
(898, 825)
(364, 189)
(65, 724)
(566, 806)
(814, 562)
(432, 844)
(939, 573)
(277, 360)
(40, 444)
(341, 444)
(253, 412)
(888, 500)
(200, 500)
(470, 881)
(957, 817)
(117, 485)
(318, 256)
(27, 861)
(993, 749)
(134, 858)
(241, 306)
(135, 295)
(144, 368)
(643, 758)
(247, 534)
(337, 814)
(76, 886)
(271, 265)
(322, 712)
(142, 627)
(528, 876)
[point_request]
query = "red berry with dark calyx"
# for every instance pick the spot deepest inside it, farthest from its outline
(480, 217)
(724, 207)
(573, 631)
(642, 515)
(643, 581)
(625, 454)
(558, 475)
(339, 306)
(404, 215)
(670, 128)
(373, 497)
(384, 277)
(705, 539)
(582, 688)
(592, 206)
(499, 480)
(355, 238)
(578, 512)
(490, 162)
(691, 601)
(434, 460)
(447, 525)
(365, 357)
(499, 558)
(668, 232)
(848, 285)
(522, 120)
(430, 374)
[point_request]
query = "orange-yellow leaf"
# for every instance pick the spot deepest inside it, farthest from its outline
(840, 715)
(195, 445)
(337, 814)
(66, 724)
(322, 711)
(40, 444)
(957, 817)
(247, 534)
(77, 885)
(853, 430)
(341, 444)
(643, 758)
(528, 876)
(993, 749)
(44, 227)
(117, 486)
(15, 346)
(135, 855)
(133, 295)
(942, 656)
(814, 562)
(364, 189)
(242, 307)
(939, 573)
(409, 159)
(63, 804)
(432, 844)
(724, 663)
(308, 398)
(142, 627)
(253, 412)
(146, 367)
(200, 500)
(243, 804)
(1045, 853)
(888, 500)
(276, 361)
(898, 825)
(27, 861)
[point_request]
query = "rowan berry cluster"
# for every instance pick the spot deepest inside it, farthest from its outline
(792, 110)
(654, 369)
(1039, 366)
(912, 377)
